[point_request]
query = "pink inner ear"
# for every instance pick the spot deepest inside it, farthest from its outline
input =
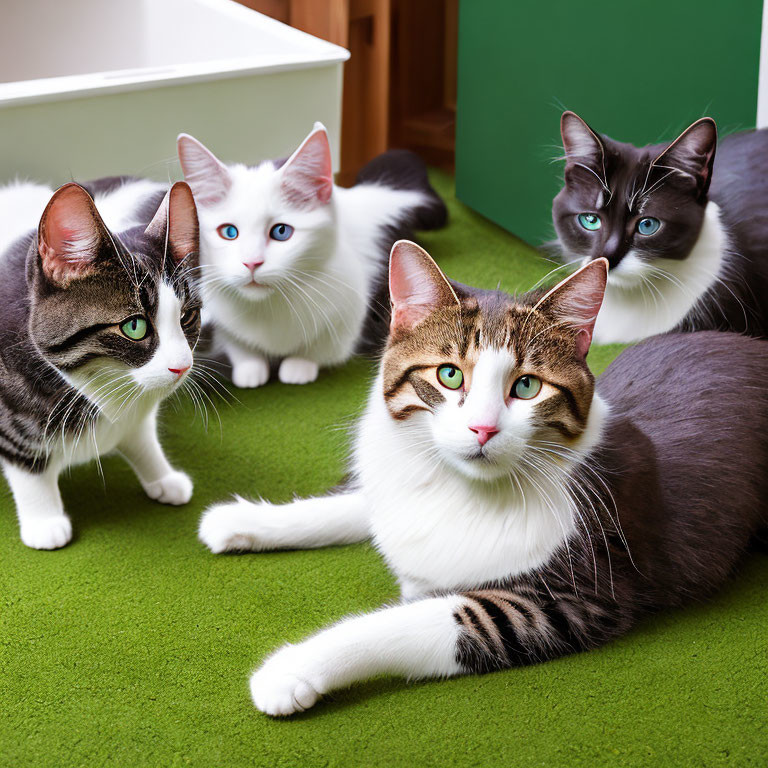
(183, 237)
(308, 174)
(206, 175)
(576, 301)
(416, 285)
(69, 234)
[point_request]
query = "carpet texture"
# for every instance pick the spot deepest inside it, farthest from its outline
(133, 646)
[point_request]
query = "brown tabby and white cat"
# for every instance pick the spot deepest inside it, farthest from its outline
(526, 513)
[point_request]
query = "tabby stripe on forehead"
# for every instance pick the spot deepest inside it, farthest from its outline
(76, 338)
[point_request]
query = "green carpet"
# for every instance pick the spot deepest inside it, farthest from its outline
(133, 645)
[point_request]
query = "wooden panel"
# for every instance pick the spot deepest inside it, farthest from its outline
(277, 9)
(328, 19)
(423, 97)
(365, 116)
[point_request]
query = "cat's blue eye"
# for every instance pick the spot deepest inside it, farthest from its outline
(648, 226)
(526, 387)
(228, 231)
(450, 376)
(590, 221)
(281, 232)
(135, 328)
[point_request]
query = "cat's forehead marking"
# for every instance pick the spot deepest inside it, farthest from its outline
(599, 201)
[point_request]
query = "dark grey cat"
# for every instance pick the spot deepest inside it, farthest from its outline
(683, 229)
(96, 329)
(525, 513)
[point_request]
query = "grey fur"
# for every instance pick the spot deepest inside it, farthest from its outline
(47, 329)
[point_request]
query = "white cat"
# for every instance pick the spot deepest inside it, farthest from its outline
(291, 263)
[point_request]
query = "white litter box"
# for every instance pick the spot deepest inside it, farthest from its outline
(101, 87)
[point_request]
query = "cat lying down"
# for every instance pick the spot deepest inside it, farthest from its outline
(526, 512)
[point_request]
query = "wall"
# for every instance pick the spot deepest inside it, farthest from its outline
(639, 72)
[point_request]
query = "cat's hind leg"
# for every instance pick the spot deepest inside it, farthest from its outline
(242, 525)
(142, 450)
(43, 523)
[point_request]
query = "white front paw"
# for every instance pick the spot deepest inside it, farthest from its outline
(296, 370)
(278, 688)
(250, 373)
(175, 488)
(46, 532)
(229, 527)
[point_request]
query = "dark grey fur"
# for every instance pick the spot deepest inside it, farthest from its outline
(399, 169)
(670, 502)
(738, 183)
(46, 329)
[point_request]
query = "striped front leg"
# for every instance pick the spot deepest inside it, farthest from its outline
(503, 628)
(441, 636)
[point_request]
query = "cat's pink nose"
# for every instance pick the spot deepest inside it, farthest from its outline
(179, 371)
(484, 433)
(253, 265)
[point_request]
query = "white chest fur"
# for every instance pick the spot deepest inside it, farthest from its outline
(655, 297)
(100, 436)
(438, 530)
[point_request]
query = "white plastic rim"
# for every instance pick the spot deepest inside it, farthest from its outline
(163, 42)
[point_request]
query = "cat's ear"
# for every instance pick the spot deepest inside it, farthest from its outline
(692, 153)
(70, 235)
(580, 142)
(417, 287)
(307, 176)
(203, 171)
(576, 301)
(176, 224)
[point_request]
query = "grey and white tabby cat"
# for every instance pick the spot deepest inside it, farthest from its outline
(526, 513)
(293, 267)
(683, 228)
(96, 329)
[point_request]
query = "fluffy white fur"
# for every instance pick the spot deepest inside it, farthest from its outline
(128, 400)
(644, 297)
(21, 205)
(444, 516)
(301, 301)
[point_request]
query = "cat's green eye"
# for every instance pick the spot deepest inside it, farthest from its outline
(648, 226)
(590, 221)
(526, 387)
(450, 376)
(135, 328)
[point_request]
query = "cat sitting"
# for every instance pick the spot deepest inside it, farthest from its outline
(98, 327)
(293, 267)
(682, 226)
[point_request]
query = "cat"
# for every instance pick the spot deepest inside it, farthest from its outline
(525, 514)
(293, 267)
(683, 230)
(96, 329)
